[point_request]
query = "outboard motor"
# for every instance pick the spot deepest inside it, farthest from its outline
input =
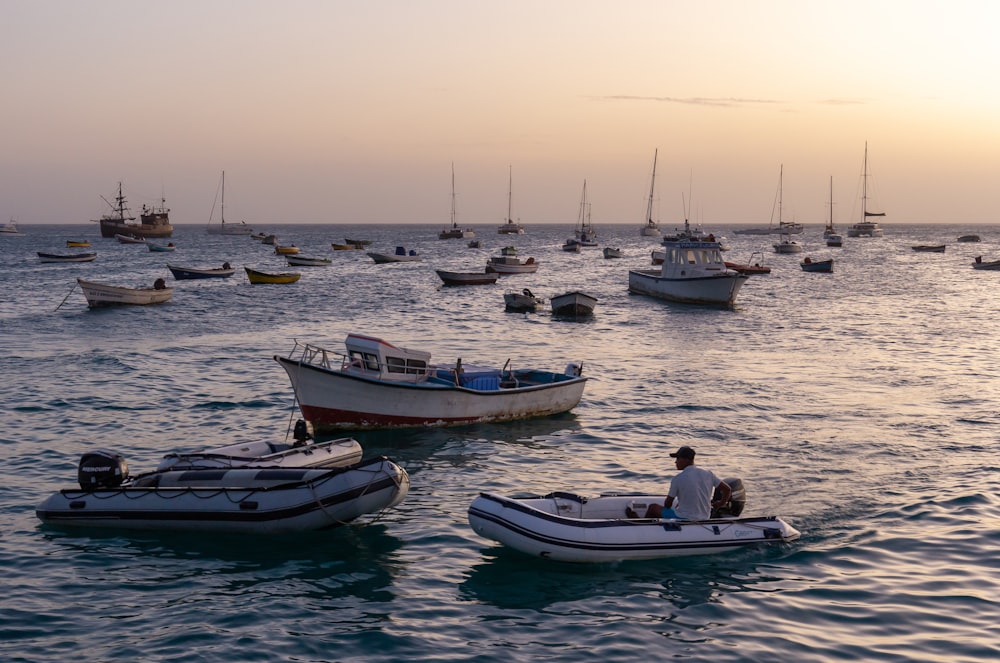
(574, 369)
(101, 469)
(737, 500)
(301, 433)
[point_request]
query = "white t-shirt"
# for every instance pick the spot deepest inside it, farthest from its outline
(692, 491)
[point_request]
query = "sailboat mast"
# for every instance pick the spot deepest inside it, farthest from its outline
(652, 185)
(510, 186)
(831, 202)
(222, 211)
(781, 184)
(864, 185)
(453, 223)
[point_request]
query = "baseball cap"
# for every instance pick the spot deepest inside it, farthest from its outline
(683, 452)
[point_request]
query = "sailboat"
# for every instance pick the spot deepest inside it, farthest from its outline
(651, 229)
(864, 227)
(785, 244)
(222, 229)
(585, 235)
(455, 232)
(510, 227)
(833, 238)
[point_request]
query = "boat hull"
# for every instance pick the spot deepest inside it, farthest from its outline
(717, 290)
(189, 273)
(573, 304)
(467, 278)
(263, 277)
(251, 501)
(72, 257)
(382, 258)
(155, 229)
(100, 294)
(824, 266)
(570, 528)
(302, 261)
(336, 399)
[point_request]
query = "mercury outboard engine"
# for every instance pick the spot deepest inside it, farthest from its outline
(301, 433)
(101, 469)
(737, 500)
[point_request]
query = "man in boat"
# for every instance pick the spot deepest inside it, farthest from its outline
(692, 488)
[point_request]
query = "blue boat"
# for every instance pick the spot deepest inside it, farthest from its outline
(810, 265)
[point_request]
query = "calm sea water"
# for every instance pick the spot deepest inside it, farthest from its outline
(860, 406)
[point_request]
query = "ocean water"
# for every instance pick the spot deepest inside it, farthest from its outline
(861, 406)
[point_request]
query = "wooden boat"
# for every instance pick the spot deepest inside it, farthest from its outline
(400, 255)
(524, 301)
(130, 239)
(573, 304)
(969, 238)
(752, 266)
(288, 250)
(67, 257)
(264, 277)
(241, 228)
(567, 527)
(358, 243)
(153, 222)
(571, 246)
(926, 248)
(990, 265)
(467, 278)
(509, 227)
(612, 253)
(305, 261)
(810, 265)
(101, 294)
(692, 272)
(250, 500)
(864, 227)
(379, 385)
(339, 452)
(344, 247)
(508, 263)
(161, 248)
(651, 228)
(77, 243)
(187, 273)
(454, 232)
(9, 229)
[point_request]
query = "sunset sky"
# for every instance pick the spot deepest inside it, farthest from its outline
(345, 112)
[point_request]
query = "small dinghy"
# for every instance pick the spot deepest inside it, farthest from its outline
(340, 452)
(272, 500)
(571, 528)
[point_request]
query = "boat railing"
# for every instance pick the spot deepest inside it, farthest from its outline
(313, 354)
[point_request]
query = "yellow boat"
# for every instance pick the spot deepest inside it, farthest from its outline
(264, 277)
(286, 250)
(77, 242)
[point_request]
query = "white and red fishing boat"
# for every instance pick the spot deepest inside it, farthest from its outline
(376, 384)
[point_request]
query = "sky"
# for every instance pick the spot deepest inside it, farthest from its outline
(333, 111)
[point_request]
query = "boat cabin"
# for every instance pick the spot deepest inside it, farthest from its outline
(384, 361)
(692, 258)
